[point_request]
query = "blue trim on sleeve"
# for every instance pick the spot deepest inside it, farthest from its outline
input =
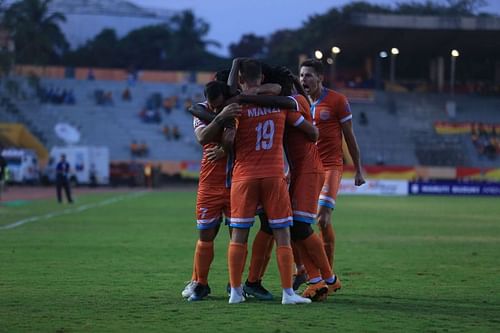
(326, 204)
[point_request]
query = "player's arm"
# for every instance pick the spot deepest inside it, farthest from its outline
(202, 113)
(232, 80)
(295, 119)
(269, 101)
(208, 133)
(353, 147)
(228, 137)
(310, 130)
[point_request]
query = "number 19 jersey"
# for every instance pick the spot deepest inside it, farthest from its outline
(259, 142)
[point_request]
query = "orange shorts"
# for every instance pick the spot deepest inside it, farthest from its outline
(272, 193)
(304, 193)
(211, 203)
(330, 188)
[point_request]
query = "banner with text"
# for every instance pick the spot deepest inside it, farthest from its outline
(454, 188)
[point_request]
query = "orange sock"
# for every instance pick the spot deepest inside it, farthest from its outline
(311, 269)
(236, 255)
(194, 275)
(284, 255)
(315, 250)
(297, 257)
(328, 242)
(267, 258)
(203, 257)
(259, 252)
(244, 261)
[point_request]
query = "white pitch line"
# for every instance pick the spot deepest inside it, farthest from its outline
(70, 211)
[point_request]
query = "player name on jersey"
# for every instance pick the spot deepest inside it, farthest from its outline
(258, 111)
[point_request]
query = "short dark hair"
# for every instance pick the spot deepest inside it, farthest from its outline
(214, 89)
(315, 64)
(250, 69)
(222, 75)
(280, 76)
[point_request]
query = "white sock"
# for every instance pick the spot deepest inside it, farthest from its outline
(288, 291)
(315, 280)
(332, 279)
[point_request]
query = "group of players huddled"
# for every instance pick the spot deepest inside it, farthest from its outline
(252, 116)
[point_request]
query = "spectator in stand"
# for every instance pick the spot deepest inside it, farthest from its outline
(187, 104)
(126, 95)
(176, 133)
(380, 160)
(363, 119)
(168, 104)
(90, 75)
(166, 132)
(108, 98)
(134, 148)
(143, 148)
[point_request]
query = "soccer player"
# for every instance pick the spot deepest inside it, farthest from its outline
(332, 115)
(213, 197)
(307, 177)
(258, 177)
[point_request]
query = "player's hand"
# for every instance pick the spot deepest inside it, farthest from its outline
(359, 179)
(230, 111)
(215, 153)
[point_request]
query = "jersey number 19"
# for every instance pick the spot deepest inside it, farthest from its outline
(265, 134)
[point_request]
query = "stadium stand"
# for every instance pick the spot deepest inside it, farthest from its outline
(396, 129)
(115, 125)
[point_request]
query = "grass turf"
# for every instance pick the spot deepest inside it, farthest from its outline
(407, 264)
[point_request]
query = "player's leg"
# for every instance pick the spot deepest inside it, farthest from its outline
(209, 207)
(276, 202)
(244, 199)
(261, 254)
(327, 202)
(204, 255)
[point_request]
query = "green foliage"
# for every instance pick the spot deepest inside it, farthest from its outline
(178, 44)
(415, 264)
(37, 36)
(250, 45)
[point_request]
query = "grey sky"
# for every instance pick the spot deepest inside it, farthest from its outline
(230, 19)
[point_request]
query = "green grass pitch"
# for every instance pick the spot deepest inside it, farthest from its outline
(414, 264)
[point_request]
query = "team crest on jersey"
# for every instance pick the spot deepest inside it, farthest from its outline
(324, 114)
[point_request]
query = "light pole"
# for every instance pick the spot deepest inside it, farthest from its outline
(332, 61)
(454, 55)
(379, 77)
(394, 54)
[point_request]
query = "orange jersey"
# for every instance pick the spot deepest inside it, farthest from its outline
(212, 173)
(302, 153)
(259, 142)
(329, 112)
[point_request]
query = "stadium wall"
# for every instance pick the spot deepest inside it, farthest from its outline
(110, 74)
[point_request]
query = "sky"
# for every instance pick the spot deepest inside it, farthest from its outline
(261, 17)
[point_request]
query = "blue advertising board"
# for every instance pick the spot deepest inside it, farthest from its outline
(454, 188)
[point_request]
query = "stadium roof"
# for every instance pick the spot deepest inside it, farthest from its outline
(106, 8)
(424, 36)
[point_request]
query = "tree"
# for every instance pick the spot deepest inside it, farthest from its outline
(102, 51)
(249, 45)
(37, 36)
(188, 46)
(147, 47)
